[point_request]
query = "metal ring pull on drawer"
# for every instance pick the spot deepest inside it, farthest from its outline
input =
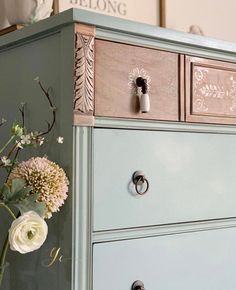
(139, 179)
(138, 285)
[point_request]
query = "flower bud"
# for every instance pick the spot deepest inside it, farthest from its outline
(17, 130)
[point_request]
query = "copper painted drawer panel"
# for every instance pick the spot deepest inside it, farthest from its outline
(117, 65)
(210, 91)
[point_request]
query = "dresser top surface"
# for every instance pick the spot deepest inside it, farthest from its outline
(114, 25)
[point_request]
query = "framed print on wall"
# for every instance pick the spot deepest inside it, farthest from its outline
(147, 11)
(212, 18)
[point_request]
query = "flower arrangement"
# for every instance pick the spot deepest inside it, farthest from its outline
(34, 189)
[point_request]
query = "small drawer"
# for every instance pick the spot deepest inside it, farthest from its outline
(198, 260)
(117, 66)
(191, 177)
(210, 91)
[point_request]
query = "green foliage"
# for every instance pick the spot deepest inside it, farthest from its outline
(19, 195)
(32, 203)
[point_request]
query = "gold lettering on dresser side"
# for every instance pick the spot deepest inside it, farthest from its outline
(84, 78)
(214, 92)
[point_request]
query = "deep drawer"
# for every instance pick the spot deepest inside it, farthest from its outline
(116, 68)
(200, 260)
(191, 177)
(210, 91)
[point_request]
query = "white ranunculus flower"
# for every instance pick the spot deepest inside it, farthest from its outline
(27, 233)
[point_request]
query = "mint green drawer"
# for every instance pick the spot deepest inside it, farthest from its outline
(192, 177)
(199, 260)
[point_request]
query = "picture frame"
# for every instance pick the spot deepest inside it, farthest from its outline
(200, 17)
(147, 11)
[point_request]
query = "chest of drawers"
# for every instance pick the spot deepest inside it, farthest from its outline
(180, 234)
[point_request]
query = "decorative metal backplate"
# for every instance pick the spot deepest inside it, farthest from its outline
(213, 91)
(133, 75)
(84, 74)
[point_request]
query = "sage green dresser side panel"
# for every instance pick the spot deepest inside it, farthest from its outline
(49, 57)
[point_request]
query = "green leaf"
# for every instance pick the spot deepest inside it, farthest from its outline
(31, 203)
(16, 192)
(5, 192)
(17, 185)
(22, 194)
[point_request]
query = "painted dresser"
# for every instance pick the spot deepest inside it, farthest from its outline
(148, 117)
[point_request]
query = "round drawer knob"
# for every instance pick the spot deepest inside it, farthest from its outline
(140, 181)
(138, 285)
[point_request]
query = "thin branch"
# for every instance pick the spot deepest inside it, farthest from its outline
(16, 147)
(7, 143)
(50, 125)
(22, 111)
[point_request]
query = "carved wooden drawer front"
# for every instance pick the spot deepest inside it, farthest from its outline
(210, 91)
(190, 177)
(116, 68)
(198, 260)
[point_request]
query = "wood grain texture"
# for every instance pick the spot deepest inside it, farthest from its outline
(182, 87)
(10, 29)
(85, 29)
(163, 13)
(80, 120)
(210, 91)
(55, 7)
(116, 63)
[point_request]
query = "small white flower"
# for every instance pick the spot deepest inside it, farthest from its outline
(27, 233)
(6, 161)
(40, 140)
(25, 139)
(60, 140)
(3, 121)
(37, 79)
(36, 139)
(18, 144)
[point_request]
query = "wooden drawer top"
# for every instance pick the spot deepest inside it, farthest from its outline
(117, 67)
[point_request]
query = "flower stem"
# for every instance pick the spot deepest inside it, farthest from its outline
(5, 246)
(3, 258)
(8, 209)
(7, 143)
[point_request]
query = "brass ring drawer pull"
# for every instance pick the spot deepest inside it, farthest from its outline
(139, 180)
(138, 285)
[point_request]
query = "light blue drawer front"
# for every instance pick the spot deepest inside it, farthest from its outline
(193, 261)
(192, 177)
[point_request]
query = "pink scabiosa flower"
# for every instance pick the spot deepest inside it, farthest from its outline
(45, 178)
